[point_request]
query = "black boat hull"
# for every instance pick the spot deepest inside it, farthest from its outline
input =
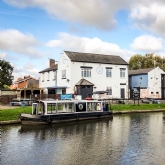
(28, 119)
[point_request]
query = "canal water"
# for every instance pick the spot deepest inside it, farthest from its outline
(130, 139)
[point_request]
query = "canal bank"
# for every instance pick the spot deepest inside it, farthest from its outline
(114, 113)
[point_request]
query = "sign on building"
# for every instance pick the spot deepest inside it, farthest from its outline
(66, 97)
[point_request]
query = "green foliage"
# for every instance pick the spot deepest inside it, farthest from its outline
(6, 70)
(6, 86)
(148, 61)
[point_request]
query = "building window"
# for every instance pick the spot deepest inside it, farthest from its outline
(109, 90)
(108, 72)
(54, 75)
(157, 92)
(42, 77)
(64, 91)
(152, 92)
(122, 72)
(86, 72)
(48, 77)
(63, 73)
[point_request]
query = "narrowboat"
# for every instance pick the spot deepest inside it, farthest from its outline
(58, 111)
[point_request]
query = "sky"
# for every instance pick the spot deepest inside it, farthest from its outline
(33, 31)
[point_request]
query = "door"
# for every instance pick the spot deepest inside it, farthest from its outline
(163, 93)
(122, 92)
(163, 86)
(85, 90)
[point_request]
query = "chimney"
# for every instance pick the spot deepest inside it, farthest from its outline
(19, 79)
(51, 62)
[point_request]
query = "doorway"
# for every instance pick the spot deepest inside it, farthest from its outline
(122, 93)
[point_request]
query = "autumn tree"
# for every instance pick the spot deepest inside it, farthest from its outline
(6, 77)
(148, 61)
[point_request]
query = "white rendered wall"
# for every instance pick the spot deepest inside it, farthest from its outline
(154, 83)
(47, 80)
(64, 64)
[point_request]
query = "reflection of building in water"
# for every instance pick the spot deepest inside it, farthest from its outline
(120, 130)
(155, 129)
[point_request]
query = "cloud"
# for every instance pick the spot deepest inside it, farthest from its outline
(147, 43)
(94, 45)
(3, 55)
(149, 16)
(99, 14)
(15, 41)
(28, 69)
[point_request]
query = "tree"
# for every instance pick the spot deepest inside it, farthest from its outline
(148, 61)
(6, 77)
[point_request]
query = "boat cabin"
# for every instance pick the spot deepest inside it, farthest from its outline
(68, 106)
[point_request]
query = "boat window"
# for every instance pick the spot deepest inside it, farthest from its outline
(34, 108)
(93, 106)
(41, 108)
(51, 108)
(70, 106)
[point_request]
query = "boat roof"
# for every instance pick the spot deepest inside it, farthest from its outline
(67, 101)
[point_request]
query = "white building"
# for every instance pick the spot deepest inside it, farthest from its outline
(150, 81)
(48, 78)
(83, 73)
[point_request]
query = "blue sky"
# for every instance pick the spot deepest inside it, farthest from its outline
(33, 31)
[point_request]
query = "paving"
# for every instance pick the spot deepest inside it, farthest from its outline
(3, 107)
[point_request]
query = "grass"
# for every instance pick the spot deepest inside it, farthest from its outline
(12, 114)
(127, 107)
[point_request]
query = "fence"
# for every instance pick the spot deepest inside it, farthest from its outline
(45, 96)
(6, 99)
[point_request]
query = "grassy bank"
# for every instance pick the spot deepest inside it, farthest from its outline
(128, 107)
(12, 114)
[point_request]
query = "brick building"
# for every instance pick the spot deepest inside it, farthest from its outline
(26, 87)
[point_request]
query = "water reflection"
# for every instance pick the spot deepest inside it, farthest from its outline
(127, 139)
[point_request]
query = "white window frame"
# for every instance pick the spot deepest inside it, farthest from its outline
(55, 75)
(108, 72)
(63, 73)
(109, 90)
(86, 72)
(122, 73)
(42, 77)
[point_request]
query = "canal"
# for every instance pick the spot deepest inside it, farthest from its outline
(130, 139)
